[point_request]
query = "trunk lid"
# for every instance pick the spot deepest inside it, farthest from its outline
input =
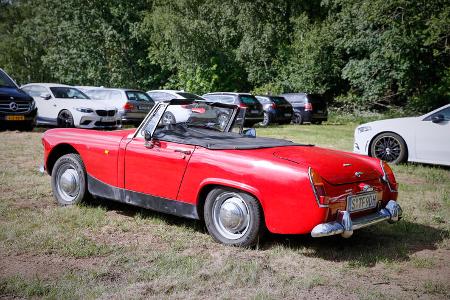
(336, 167)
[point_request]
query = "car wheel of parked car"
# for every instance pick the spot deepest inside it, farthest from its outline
(168, 118)
(233, 217)
(223, 120)
(266, 119)
(69, 183)
(389, 147)
(297, 119)
(65, 119)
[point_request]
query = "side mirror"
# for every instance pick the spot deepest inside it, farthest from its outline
(46, 96)
(251, 132)
(147, 135)
(437, 118)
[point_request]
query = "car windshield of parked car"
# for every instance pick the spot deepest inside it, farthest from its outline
(248, 100)
(5, 81)
(189, 96)
(68, 93)
(279, 100)
(138, 96)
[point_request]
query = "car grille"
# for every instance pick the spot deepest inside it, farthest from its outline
(104, 113)
(14, 106)
(105, 124)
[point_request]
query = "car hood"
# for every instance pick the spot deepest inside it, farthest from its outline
(336, 167)
(7, 92)
(391, 122)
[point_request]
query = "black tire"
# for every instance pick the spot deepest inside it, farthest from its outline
(297, 119)
(249, 229)
(73, 188)
(389, 147)
(168, 118)
(65, 119)
(266, 121)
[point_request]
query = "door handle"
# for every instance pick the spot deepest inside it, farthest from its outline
(186, 152)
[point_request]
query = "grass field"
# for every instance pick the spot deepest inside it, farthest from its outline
(108, 250)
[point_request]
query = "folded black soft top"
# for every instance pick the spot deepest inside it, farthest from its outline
(216, 140)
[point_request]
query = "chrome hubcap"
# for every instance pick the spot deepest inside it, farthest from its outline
(231, 216)
(387, 149)
(68, 182)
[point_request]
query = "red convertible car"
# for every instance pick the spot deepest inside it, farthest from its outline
(204, 168)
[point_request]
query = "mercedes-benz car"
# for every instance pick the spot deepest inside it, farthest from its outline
(237, 183)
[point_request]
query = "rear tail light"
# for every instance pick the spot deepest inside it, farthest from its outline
(243, 106)
(308, 107)
(274, 105)
(128, 106)
(388, 176)
(318, 188)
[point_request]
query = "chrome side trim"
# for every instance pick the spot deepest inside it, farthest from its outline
(345, 226)
(385, 178)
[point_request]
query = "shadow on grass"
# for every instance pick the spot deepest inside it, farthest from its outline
(379, 243)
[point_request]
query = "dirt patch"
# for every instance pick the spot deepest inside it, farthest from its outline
(30, 265)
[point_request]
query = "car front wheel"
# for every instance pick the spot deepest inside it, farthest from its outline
(233, 217)
(389, 147)
(69, 180)
(65, 119)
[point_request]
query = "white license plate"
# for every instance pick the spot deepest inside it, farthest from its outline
(108, 119)
(254, 111)
(361, 202)
(287, 115)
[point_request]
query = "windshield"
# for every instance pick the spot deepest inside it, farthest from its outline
(5, 81)
(68, 92)
(138, 96)
(189, 96)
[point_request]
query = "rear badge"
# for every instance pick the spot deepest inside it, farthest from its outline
(358, 174)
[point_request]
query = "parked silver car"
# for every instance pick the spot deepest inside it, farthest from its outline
(132, 105)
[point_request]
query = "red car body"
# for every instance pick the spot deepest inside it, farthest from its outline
(175, 177)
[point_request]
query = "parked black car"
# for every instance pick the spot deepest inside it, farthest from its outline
(17, 108)
(276, 110)
(311, 108)
(254, 112)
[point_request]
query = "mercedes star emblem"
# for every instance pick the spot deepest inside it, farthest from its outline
(13, 106)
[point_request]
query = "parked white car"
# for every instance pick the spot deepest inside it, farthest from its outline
(175, 113)
(424, 139)
(65, 106)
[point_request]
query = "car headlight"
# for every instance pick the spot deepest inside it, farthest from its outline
(85, 110)
(362, 129)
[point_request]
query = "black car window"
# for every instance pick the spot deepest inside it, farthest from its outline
(279, 100)
(138, 96)
(248, 100)
(6, 81)
(445, 112)
(314, 98)
(263, 100)
(68, 93)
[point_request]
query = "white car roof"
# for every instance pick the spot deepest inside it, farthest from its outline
(48, 84)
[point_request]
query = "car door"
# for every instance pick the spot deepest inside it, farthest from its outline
(45, 106)
(433, 139)
(155, 168)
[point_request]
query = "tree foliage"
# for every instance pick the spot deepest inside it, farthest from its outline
(369, 53)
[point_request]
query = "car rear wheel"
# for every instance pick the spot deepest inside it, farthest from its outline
(389, 147)
(69, 183)
(233, 217)
(65, 119)
(266, 120)
(168, 118)
(297, 119)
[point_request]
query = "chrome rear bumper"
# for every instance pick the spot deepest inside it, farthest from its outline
(344, 224)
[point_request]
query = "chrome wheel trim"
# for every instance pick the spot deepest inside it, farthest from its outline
(231, 216)
(223, 119)
(67, 182)
(168, 118)
(387, 148)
